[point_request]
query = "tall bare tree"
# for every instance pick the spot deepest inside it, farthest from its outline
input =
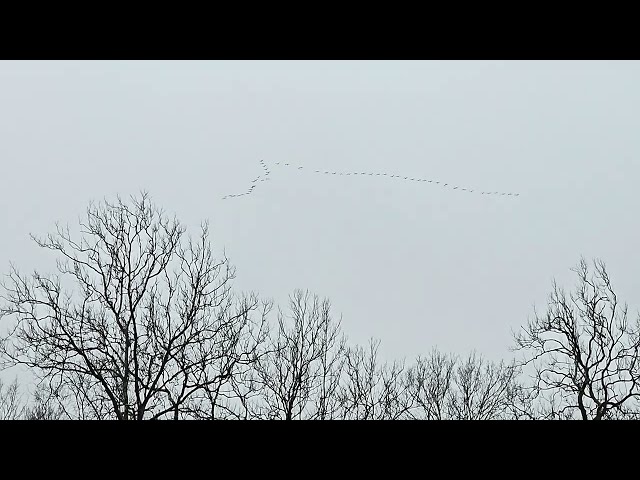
(44, 406)
(372, 390)
(484, 390)
(584, 351)
(139, 322)
(300, 375)
(11, 407)
(444, 387)
(430, 382)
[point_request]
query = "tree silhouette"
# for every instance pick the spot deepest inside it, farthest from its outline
(371, 390)
(300, 374)
(10, 404)
(445, 387)
(584, 351)
(139, 322)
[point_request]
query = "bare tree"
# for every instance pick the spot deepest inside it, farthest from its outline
(44, 407)
(430, 382)
(370, 390)
(228, 377)
(330, 366)
(11, 407)
(484, 390)
(584, 351)
(139, 322)
(444, 387)
(300, 375)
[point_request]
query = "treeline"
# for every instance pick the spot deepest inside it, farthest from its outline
(140, 321)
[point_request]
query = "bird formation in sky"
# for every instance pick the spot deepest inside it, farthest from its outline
(265, 177)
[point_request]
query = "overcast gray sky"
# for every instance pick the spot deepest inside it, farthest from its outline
(411, 263)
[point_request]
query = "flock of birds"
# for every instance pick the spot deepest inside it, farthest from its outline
(265, 177)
